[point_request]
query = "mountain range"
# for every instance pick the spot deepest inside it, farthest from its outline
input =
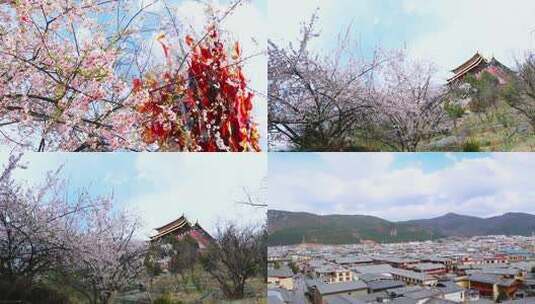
(296, 227)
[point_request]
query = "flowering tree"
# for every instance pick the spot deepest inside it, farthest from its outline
(407, 107)
(237, 254)
(35, 225)
(520, 92)
(317, 103)
(104, 258)
(83, 241)
(78, 76)
(59, 89)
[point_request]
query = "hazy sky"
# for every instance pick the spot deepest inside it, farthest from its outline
(446, 32)
(161, 186)
(402, 186)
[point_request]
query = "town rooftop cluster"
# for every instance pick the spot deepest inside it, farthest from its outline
(486, 269)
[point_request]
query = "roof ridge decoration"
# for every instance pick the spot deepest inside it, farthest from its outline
(177, 224)
(468, 65)
(476, 56)
(181, 218)
(181, 223)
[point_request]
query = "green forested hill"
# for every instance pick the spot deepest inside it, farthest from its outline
(296, 227)
(291, 228)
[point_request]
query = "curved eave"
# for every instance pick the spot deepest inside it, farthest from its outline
(169, 230)
(173, 223)
(467, 69)
(469, 62)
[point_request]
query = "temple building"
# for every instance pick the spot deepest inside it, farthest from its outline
(181, 227)
(477, 65)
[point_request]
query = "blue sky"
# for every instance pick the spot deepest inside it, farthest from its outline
(374, 22)
(159, 187)
(397, 186)
(446, 32)
(401, 186)
(428, 162)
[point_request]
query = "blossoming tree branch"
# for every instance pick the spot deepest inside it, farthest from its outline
(81, 76)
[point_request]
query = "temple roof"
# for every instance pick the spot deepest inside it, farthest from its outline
(179, 220)
(495, 62)
(180, 224)
(477, 58)
(467, 66)
(478, 63)
(175, 225)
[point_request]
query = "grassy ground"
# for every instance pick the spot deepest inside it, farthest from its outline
(498, 129)
(167, 286)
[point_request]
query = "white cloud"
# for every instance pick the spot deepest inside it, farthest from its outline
(483, 186)
(503, 29)
(205, 187)
(449, 31)
(37, 166)
(160, 187)
(366, 165)
(286, 17)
